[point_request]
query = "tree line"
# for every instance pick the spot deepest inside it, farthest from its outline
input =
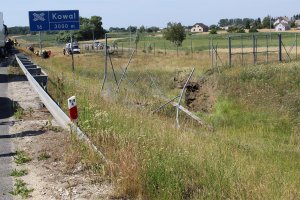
(91, 28)
(247, 23)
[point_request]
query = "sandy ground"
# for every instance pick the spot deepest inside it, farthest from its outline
(49, 178)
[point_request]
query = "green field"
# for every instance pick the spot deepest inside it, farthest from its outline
(252, 150)
(196, 42)
(201, 42)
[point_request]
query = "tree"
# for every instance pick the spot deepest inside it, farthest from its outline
(132, 29)
(257, 23)
(142, 29)
(213, 27)
(96, 23)
(89, 28)
(152, 29)
(224, 22)
(175, 33)
(18, 30)
(266, 22)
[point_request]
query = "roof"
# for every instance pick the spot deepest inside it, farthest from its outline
(281, 20)
(201, 24)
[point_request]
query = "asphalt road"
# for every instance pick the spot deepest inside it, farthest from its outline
(6, 146)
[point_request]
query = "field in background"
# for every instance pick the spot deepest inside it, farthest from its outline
(253, 151)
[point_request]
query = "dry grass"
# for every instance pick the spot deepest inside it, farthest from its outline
(252, 154)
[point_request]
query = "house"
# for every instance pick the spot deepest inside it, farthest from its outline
(297, 23)
(199, 28)
(282, 24)
(188, 28)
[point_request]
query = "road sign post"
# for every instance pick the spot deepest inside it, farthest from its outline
(55, 20)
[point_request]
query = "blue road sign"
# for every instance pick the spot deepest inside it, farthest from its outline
(39, 20)
(56, 20)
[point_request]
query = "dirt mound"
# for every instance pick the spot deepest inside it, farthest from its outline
(200, 95)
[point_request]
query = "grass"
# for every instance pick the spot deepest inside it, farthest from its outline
(44, 156)
(14, 71)
(21, 189)
(18, 110)
(253, 152)
(19, 173)
(21, 158)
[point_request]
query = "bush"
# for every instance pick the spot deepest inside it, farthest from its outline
(213, 31)
(253, 30)
(240, 30)
(235, 29)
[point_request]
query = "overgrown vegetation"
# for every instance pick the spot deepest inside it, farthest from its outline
(253, 152)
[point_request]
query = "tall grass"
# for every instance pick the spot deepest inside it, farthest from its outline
(253, 152)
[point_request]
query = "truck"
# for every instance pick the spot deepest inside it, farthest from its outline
(3, 36)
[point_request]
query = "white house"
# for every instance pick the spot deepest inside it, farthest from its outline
(199, 28)
(282, 24)
(297, 22)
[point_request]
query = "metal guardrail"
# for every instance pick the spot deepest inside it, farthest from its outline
(62, 119)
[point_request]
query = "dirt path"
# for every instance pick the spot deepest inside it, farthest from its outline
(38, 136)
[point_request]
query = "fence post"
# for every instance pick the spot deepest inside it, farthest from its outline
(267, 40)
(296, 38)
(242, 45)
(254, 49)
(216, 50)
(212, 54)
(191, 45)
(279, 48)
(229, 51)
(105, 66)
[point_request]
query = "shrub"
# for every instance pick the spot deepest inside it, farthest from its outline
(213, 31)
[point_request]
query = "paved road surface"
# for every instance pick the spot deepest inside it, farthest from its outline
(6, 153)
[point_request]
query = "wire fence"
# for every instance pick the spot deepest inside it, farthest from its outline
(229, 50)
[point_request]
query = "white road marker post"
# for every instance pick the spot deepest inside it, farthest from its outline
(73, 109)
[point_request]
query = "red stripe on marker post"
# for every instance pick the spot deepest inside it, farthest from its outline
(72, 108)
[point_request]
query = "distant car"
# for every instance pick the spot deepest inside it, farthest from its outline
(74, 49)
(99, 45)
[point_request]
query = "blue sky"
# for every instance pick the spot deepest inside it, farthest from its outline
(122, 13)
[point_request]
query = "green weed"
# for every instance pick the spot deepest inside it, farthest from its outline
(19, 173)
(21, 157)
(21, 189)
(44, 156)
(18, 111)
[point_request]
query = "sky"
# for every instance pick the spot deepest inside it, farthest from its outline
(124, 13)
